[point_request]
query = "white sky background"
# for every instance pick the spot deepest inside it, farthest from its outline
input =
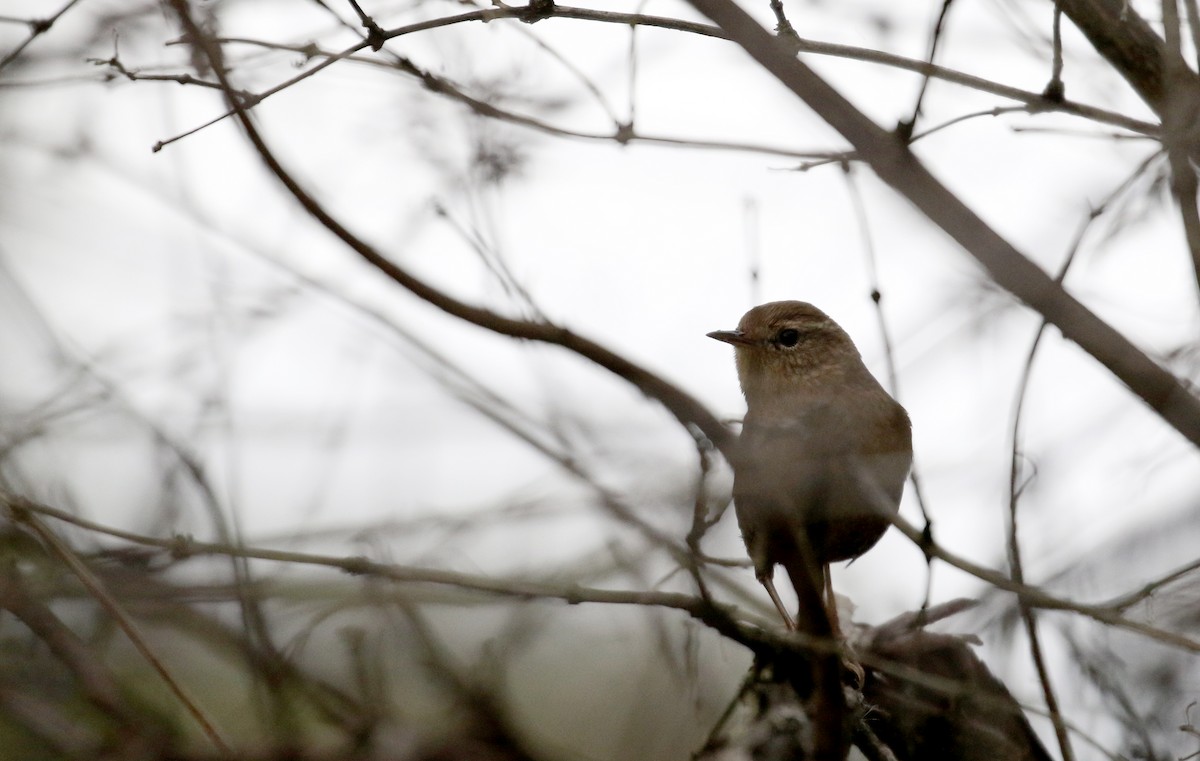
(162, 269)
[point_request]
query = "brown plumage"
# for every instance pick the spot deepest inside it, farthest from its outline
(824, 450)
(821, 461)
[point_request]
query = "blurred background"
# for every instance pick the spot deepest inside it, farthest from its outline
(186, 355)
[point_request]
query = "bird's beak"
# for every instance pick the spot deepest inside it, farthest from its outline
(735, 337)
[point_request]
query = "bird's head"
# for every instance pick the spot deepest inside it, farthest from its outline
(789, 347)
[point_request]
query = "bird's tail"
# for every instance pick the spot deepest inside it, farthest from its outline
(822, 684)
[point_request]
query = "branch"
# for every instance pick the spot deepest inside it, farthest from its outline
(37, 27)
(898, 167)
(623, 133)
(1179, 118)
(687, 410)
(96, 682)
(1035, 597)
(186, 547)
(1129, 44)
(98, 592)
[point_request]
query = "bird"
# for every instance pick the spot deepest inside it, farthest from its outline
(818, 467)
(824, 450)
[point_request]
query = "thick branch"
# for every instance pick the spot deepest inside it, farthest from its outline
(898, 167)
(1156, 70)
(1127, 42)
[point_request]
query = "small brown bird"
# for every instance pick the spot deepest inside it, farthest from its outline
(824, 451)
(819, 466)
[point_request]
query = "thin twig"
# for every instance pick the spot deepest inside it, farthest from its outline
(868, 244)
(1014, 551)
(95, 680)
(96, 588)
(1039, 598)
(783, 27)
(683, 406)
(1015, 489)
(1055, 89)
(495, 721)
(717, 616)
(1036, 101)
(37, 27)
(905, 128)
(1150, 588)
(184, 547)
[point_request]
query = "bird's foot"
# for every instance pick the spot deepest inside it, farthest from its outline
(769, 584)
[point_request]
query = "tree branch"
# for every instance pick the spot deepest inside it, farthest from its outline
(898, 167)
(686, 409)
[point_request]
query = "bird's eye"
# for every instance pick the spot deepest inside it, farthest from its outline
(788, 337)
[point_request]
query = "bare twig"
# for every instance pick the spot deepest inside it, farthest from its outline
(37, 27)
(623, 132)
(1015, 488)
(783, 27)
(95, 680)
(1149, 589)
(906, 127)
(683, 406)
(1014, 550)
(1038, 598)
(186, 547)
(96, 588)
(868, 242)
(1055, 89)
